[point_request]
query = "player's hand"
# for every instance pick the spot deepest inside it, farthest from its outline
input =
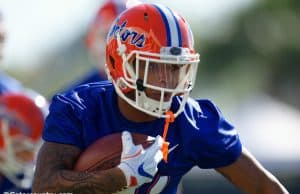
(139, 165)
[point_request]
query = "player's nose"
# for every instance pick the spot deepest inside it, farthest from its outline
(163, 76)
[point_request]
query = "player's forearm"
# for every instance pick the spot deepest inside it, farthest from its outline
(272, 185)
(251, 177)
(99, 182)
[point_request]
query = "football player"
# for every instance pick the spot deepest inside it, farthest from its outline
(152, 64)
(15, 167)
(95, 41)
(21, 124)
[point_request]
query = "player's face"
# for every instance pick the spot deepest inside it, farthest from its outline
(22, 153)
(16, 144)
(162, 75)
(97, 47)
(98, 41)
(21, 156)
(2, 38)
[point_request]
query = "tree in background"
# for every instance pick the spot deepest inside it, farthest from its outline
(263, 45)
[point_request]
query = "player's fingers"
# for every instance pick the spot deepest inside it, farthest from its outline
(156, 146)
(127, 141)
(158, 141)
(151, 168)
(158, 156)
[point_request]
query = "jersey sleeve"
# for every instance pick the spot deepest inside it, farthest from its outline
(215, 142)
(63, 124)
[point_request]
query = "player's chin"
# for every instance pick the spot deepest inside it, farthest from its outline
(157, 96)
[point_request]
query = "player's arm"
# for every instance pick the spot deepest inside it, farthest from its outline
(55, 163)
(54, 173)
(251, 177)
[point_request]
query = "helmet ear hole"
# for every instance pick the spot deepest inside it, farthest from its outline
(146, 16)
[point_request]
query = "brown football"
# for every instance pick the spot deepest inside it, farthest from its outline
(105, 153)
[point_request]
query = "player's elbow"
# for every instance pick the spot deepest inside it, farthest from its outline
(44, 184)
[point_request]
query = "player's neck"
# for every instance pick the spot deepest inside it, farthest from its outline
(131, 113)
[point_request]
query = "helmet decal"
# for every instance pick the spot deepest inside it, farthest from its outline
(134, 37)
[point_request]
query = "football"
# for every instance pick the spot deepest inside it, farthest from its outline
(105, 153)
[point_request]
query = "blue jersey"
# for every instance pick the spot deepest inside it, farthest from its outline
(200, 135)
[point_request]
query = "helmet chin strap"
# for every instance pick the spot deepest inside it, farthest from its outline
(158, 107)
(165, 146)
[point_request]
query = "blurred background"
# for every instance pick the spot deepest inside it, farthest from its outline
(250, 66)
